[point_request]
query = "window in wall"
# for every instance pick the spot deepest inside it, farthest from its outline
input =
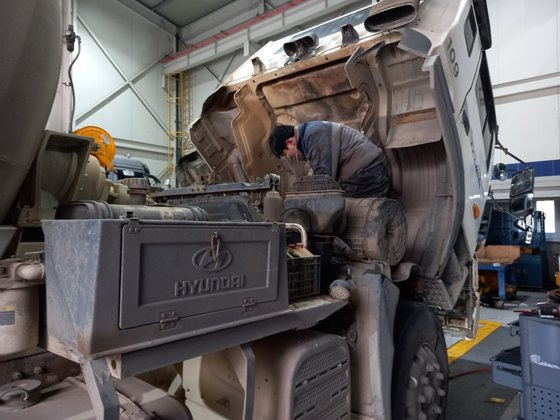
(470, 31)
(486, 133)
(485, 99)
(547, 207)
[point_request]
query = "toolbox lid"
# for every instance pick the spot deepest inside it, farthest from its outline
(173, 272)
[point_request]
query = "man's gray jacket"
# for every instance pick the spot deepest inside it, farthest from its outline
(347, 155)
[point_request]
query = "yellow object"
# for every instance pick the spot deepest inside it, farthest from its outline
(179, 117)
(457, 350)
(103, 144)
(299, 252)
(558, 279)
(476, 211)
(497, 400)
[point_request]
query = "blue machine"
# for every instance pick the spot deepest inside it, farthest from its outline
(531, 269)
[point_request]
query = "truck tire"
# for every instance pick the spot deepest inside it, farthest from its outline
(420, 371)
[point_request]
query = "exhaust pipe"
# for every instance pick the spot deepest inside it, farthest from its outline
(390, 14)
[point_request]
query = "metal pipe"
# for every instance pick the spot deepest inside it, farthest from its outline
(301, 230)
(390, 14)
(30, 271)
(89, 209)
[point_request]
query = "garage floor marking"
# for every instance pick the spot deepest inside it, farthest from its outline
(457, 350)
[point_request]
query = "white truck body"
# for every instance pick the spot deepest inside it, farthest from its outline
(196, 287)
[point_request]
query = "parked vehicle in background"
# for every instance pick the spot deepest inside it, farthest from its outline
(128, 167)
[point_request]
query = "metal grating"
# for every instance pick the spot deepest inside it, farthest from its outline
(337, 410)
(545, 404)
(436, 294)
(314, 183)
(322, 387)
(312, 366)
(321, 394)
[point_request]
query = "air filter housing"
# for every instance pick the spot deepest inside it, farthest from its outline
(317, 203)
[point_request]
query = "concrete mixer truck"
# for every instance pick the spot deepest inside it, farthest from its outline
(268, 294)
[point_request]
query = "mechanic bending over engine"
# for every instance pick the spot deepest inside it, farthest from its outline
(342, 152)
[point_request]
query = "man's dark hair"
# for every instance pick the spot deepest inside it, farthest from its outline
(278, 137)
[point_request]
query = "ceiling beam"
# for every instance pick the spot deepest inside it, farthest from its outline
(151, 16)
(231, 14)
(160, 4)
(271, 23)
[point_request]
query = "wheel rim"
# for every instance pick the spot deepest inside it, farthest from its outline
(425, 389)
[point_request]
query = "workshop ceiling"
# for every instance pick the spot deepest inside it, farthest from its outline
(191, 19)
(208, 29)
(183, 12)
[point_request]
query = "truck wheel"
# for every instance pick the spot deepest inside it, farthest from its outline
(419, 388)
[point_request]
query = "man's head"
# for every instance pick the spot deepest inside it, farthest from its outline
(282, 141)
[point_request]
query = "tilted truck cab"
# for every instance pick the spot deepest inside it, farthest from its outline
(421, 91)
(279, 296)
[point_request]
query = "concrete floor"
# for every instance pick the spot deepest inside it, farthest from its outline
(470, 396)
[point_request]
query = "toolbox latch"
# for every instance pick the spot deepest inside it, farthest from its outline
(247, 304)
(133, 225)
(167, 320)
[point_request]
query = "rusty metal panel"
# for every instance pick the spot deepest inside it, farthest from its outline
(308, 87)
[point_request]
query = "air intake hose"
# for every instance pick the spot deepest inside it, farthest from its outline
(87, 209)
(376, 229)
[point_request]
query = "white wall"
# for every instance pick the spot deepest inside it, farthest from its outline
(525, 70)
(119, 47)
(206, 79)
(60, 112)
